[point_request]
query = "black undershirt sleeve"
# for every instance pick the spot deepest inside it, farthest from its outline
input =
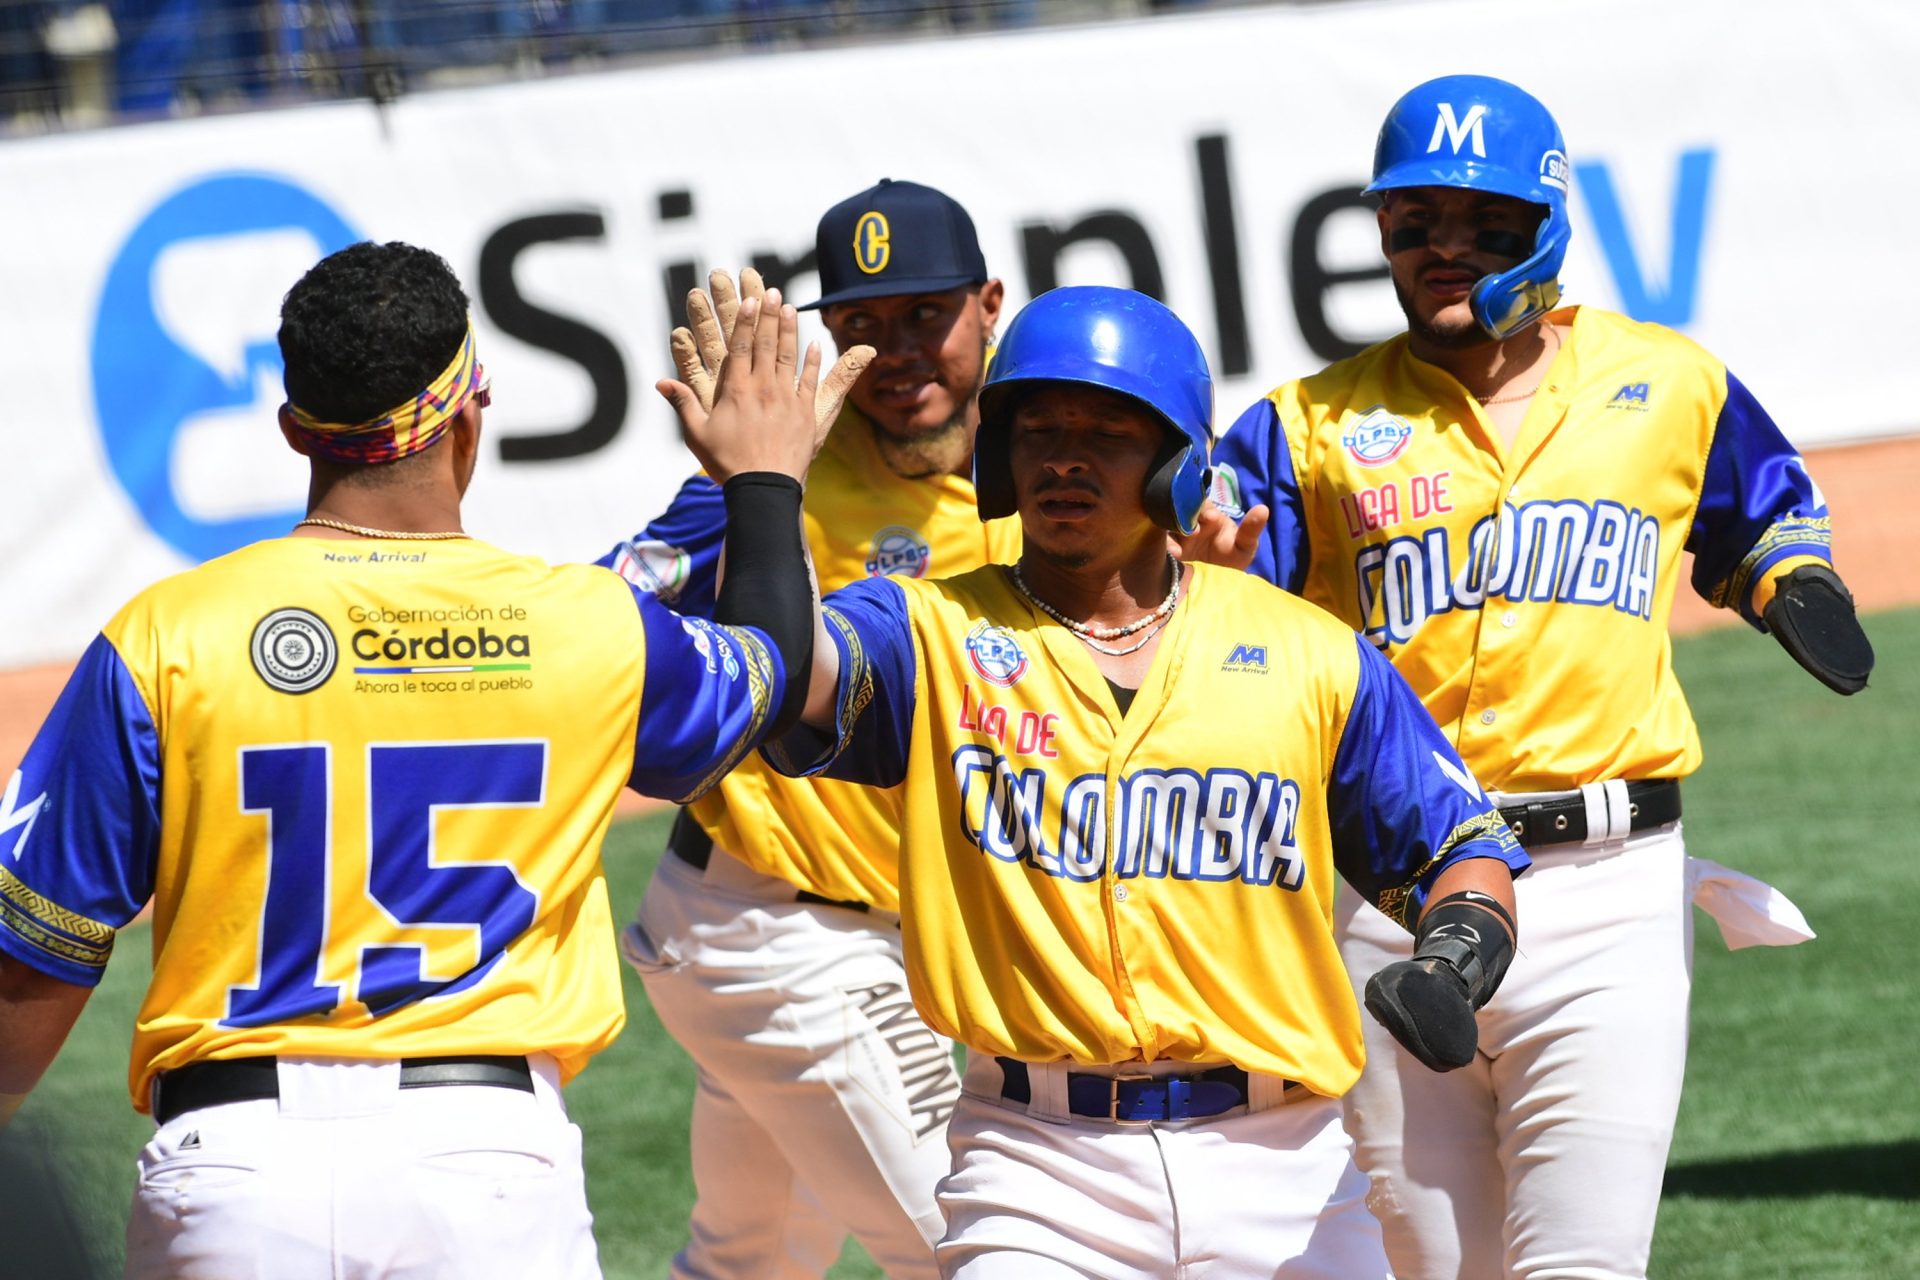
(766, 584)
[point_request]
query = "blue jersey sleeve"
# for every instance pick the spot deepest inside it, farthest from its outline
(1403, 807)
(873, 705)
(677, 556)
(1253, 465)
(80, 824)
(1758, 506)
(709, 695)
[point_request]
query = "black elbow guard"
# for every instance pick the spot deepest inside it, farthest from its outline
(1461, 952)
(767, 583)
(1473, 935)
(1811, 615)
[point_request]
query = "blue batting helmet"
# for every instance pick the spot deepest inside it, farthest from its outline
(1486, 135)
(1120, 341)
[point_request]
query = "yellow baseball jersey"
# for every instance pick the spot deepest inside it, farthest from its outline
(1525, 593)
(365, 785)
(830, 838)
(1083, 884)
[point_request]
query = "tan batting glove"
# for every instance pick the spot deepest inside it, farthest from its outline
(700, 348)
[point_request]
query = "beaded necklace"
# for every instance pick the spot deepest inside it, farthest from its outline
(1153, 623)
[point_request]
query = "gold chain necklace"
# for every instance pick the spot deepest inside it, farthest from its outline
(1554, 335)
(364, 532)
(1092, 635)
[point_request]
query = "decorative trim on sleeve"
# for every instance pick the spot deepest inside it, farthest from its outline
(856, 685)
(757, 661)
(1397, 903)
(1793, 536)
(51, 928)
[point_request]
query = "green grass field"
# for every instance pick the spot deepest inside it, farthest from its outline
(1798, 1150)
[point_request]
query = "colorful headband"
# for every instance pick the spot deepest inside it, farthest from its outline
(403, 430)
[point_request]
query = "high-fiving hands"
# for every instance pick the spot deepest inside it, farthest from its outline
(754, 405)
(702, 345)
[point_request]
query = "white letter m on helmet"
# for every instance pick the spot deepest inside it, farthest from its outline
(1456, 131)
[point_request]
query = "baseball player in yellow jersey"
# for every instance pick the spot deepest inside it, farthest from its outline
(1129, 786)
(363, 772)
(1497, 500)
(769, 939)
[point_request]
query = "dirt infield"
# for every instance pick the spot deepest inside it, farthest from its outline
(1871, 489)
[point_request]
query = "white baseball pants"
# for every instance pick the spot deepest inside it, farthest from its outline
(823, 1098)
(1269, 1192)
(1543, 1158)
(349, 1177)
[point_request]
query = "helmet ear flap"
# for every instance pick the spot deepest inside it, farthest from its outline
(1508, 301)
(993, 452)
(1176, 486)
(993, 473)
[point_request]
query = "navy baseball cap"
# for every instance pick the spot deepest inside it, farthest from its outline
(895, 238)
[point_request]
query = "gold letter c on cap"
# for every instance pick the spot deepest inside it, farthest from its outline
(872, 243)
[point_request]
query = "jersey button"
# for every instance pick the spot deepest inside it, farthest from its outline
(1509, 618)
(1119, 893)
(1488, 716)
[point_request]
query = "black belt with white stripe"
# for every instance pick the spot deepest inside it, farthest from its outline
(1564, 820)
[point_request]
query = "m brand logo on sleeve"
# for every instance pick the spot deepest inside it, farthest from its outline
(14, 814)
(872, 242)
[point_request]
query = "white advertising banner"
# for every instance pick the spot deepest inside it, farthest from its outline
(1739, 172)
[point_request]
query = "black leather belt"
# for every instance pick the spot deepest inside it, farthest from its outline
(693, 846)
(1137, 1099)
(1564, 821)
(217, 1082)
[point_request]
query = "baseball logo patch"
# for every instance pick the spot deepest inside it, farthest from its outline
(653, 566)
(293, 650)
(1223, 488)
(995, 655)
(899, 552)
(1376, 438)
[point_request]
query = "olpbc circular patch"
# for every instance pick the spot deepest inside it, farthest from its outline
(995, 655)
(293, 650)
(899, 552)
(1377, 438)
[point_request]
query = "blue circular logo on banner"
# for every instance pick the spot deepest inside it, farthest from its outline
(162, 362)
